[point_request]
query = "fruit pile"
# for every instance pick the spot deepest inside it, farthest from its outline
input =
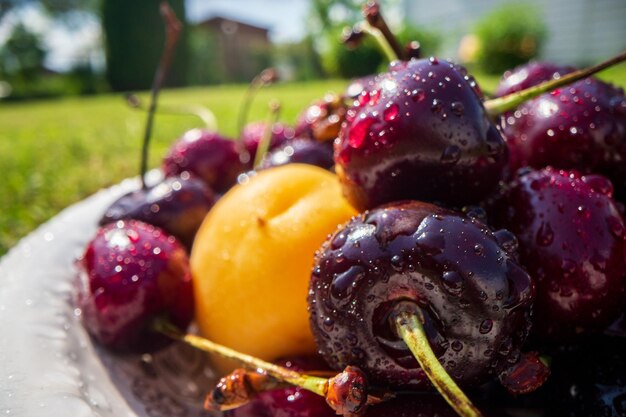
(479, 249)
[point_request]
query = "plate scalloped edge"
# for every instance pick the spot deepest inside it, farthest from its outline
(49, 365)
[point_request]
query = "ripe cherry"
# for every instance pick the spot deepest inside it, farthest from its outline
(322, 120)
(582, 127)
(528, 75)
(571, 238)
(300, 150)
(458, 277)
(178, 205)
(253, 134)
(209, 156)
(421, 133)
(131, 273)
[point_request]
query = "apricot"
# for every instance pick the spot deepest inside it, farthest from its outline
(252, 257)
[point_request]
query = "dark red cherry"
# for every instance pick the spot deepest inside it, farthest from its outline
(253, 134)
(580, 127)
(177, 205)
(571, 238)
(322, 119)
(422, 133)
(474, 297)
(528, 75)
(131, 273)
(209, 156)
(301, 150)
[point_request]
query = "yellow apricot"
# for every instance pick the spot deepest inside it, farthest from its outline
(252, 257)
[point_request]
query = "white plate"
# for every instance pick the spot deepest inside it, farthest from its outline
(49, 365)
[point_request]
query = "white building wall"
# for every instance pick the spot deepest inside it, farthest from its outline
(579, 31)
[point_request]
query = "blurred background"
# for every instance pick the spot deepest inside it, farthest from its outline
(65, 63)
(61, 47)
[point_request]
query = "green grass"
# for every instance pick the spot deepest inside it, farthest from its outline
(56, 152)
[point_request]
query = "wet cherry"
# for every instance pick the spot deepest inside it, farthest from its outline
(528, 75)
(131, 273)
(422, 133)
(473, 298)
(580, 127)
(209, 156)
(301, 150)
(178, 205)
(322, 120)
(252, 135)
(571, 238)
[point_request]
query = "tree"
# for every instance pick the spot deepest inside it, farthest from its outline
(22, 55)
(134, 37)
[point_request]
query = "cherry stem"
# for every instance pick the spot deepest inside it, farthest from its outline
(384, 45)
(203, 113)
(241, 386)
(266, 77)
(315, 384)
(346, 392)
(266, 139)
(509, 102)
(410, 329)
(371, 12)
(173, 29)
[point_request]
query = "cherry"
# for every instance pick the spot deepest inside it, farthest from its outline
(252, 135)
(457, 277)
(580, 127)
(421, 133)
(300, 150)
(129, 274)
(571, 238)
(211, 157)
(528, 75)
(178, 205)
(322, 120)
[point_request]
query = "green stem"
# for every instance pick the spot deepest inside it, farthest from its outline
(380, 39)
(312, 383)
(509, 102)
(410, 329)
(173, 29)
(266, 140)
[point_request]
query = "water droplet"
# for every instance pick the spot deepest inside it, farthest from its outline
(457, 108)
(433, 60)
(359, 131)
(418, 95)
(338, 241)
(478, 249)
(485, 326)
(343, 284)
(456, 346)
(507, 240)
(453, 282)
(328, 324)
(391, 112)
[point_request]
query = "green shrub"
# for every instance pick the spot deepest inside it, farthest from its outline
(509, 36)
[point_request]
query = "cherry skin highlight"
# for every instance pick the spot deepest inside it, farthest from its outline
(571, 237)
(474, 297)
(130, 274)
(421, 133)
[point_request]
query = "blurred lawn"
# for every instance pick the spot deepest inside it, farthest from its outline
(55, 153)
